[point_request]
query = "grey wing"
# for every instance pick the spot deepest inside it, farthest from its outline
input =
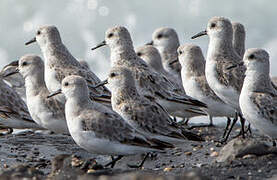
(266, 105)
(154, 119)
(153, 83)
(111, 126)
(107, 125)
(12, 105)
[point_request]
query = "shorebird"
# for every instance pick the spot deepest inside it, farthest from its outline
(48, 113)
(166, 41)
(100, 130)
(195, 83)
(152, 57)
(148, 117)
(13, 110)
(225, 83)
(149, 83)
(258, 98)
(59, 63)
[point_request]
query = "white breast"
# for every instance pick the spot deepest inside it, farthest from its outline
(50, 79)
(227, 93)
(250, 112)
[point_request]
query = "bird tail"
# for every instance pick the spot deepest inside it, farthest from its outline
(161, 145)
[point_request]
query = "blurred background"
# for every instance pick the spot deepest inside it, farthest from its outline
(82, 24)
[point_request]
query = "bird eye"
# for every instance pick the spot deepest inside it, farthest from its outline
(139, 53)
(66, 84)
(159, 36)
(24, 63)
(38, 33)
(180, 52)
(112, 75)
(110, 35)
(213, 25)
(251, 56)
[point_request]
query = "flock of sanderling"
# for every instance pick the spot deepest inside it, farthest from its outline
(148, 86)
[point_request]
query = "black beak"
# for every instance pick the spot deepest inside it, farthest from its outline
(150, 43)
(101, 83)
(99, 45)
(202, 33)
(31, 41)
(11, 73)
(13, 63)
(59, 91)
(235, 66)
(174, 61)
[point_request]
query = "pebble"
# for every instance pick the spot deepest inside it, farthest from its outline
(188, 153)
(90, 171)
(248, 156)
(214, 154)
(167, 169)
(76, 162)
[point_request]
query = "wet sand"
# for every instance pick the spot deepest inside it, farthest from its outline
(37, 150)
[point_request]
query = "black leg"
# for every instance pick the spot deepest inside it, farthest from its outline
(231, 128)
(141, 164)
(249, 129)
(174, 119)
(211, 121)
(186, 121)
(114, 160)
(227, 126)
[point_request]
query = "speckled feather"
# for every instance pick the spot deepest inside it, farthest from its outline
(11, 105)
(59, 59)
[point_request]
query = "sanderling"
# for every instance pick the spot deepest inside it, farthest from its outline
(258, 98)
(15, 80)
(166, 41)
(221, 55)
(13, 110)
(97, 128)
(195, 84)
(152, 57)
(146, 116)
(238, 38)
(149, 83)
(59, 63)
(48, 113)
